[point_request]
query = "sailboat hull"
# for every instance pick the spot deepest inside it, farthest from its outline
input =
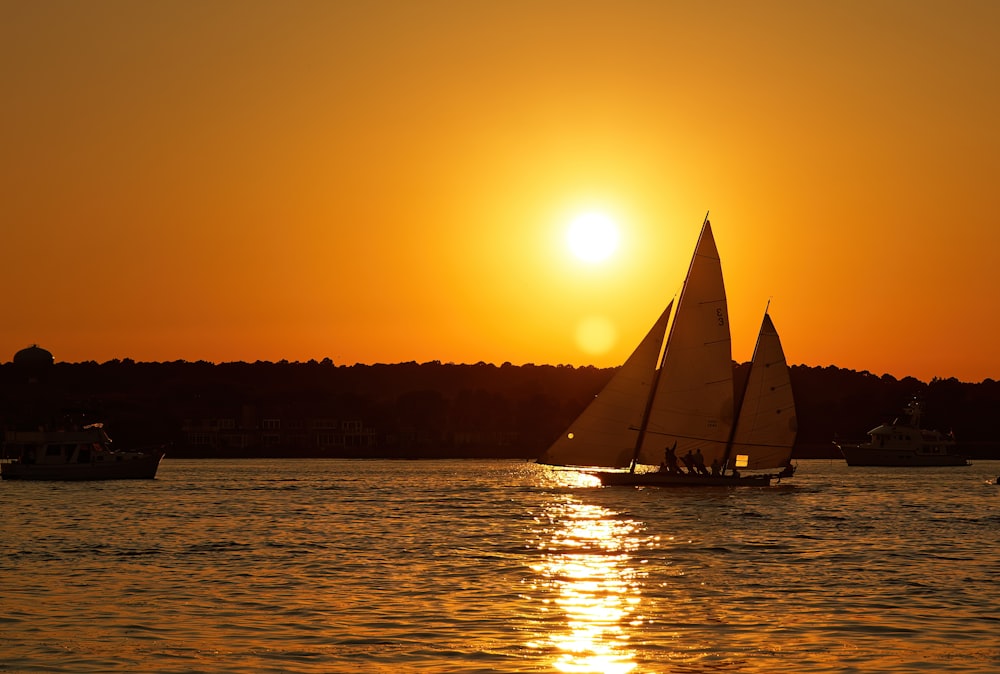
(623, 479)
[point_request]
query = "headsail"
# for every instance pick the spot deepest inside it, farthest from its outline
(766, 426)
(605, 433)
(693, 403)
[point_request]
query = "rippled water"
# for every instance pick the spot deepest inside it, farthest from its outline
(458, 566)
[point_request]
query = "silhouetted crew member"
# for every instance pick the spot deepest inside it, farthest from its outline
(669, 464)
(688, 460)
(699, 462)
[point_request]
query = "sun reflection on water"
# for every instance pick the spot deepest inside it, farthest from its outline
(592, 580)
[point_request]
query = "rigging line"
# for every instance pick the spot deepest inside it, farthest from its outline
(710, 440)
(682, 437)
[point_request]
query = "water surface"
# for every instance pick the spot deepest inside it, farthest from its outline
(499, 566)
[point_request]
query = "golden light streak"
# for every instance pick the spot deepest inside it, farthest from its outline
(589, 566)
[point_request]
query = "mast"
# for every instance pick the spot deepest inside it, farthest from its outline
(656, 377)
(743, 394)
(649, 404)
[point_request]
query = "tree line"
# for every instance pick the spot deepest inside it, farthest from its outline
(441, 409)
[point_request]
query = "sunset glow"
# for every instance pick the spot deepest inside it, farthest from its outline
(395, 181)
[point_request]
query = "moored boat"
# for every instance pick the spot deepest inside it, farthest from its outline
(904, 444)
(73, 455)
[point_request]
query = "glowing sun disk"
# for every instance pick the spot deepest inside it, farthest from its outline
(592, 237)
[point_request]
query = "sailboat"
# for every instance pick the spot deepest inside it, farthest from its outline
(684, 403)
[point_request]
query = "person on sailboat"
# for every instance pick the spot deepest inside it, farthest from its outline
(688, 460)
(699, 462)
(669, 464)
(716, 466)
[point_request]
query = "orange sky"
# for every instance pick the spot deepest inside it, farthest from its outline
(391, 181)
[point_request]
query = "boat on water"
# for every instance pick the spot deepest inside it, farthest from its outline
(71, 455)
(684, 406)
(903, 443)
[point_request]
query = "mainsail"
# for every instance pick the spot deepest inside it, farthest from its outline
(693, 403)
(605, 433)
(766, 426)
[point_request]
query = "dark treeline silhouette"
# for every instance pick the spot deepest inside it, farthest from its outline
(428, 410)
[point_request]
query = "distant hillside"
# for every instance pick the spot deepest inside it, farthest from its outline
(431, 409)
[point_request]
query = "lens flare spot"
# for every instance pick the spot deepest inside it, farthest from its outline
(596, 335)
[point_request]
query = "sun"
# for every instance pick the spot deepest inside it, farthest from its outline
(592, 237)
